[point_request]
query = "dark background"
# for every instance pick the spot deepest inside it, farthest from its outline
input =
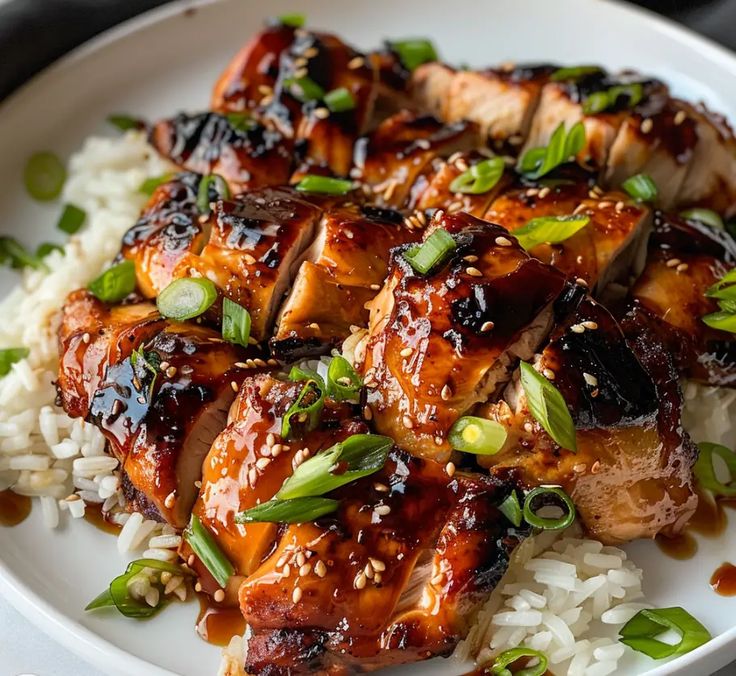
(33, 33)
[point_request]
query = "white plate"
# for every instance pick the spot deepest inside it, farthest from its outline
(168, 60)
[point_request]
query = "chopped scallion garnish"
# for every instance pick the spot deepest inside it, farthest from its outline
(293, 20)
(641, 631)
(11, 355)
(208, 552)
(574, 73)
(343, 383)
(235, 323)
(302, 374)
(45, 248)
(186, 298)
(477, 435)
(339, 100)
(17, 256)
(148, 187)
(305, 412)
(125, 122)
(705, 471)
(297, 510)
(508, 657)
(414, 52)
(548, 407)
(725, 320)
(550, 229)
(562, 147)
(241, 121)
(724, 291)
(641, 187)
(545, 493)
(324, 185)
(707, 216)
(358, 456)
(304, 89)
(598, 102)
(511, 509)
(72, 218)
(433, 251)
(211, 187)
(44, 176)
(479, 178)
(115, 283)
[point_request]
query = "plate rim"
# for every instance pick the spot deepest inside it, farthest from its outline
(94, 648)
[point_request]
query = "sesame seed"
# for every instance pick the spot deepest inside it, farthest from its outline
(273, 362)
(680, 117)
(590, 379)
(321, 113)
(579, 468)
(388, 194)
(375, 287)
(190, 560)
(250, 260)
(368, 570)
(164, 365)
(219, 596)
(367, 412)
(577, 328)
(503, 241)
(252, 476)
(320, 570)
(454, 157)
(620, 206)
(262, 463)
(438, 440)
(590, 325)
(300, 62)
(377, 564)
(170, 500)
(450, 468)
(356, 62)
(646, 126)
(487, 326)
(544, 192)
(581, 282)
(198, 587)
(473, 272)
(593, 194)
(360, 580)
(311, 52)
(265, 89)
(407, 422)
(470, 259)
(286, 570)
(282, 560)
(682, 267)
(604, 204)
(406, 352)
(234, 385)
(314, 326)
(461, 164)
(532, 192)
(86, 338)
(446, 393)
(382, 510)
(267, 100)
(453, 207)
(377, 578)
(673, 262)
(299, 73)
(305, 569)
(296, 595)
(549, 374)
(381, 488)
(300, 559)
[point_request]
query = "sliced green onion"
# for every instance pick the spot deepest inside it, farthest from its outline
(241, 121)
(186, 298)
(641, 187)
(727, 280)
(723, 321)
(705, 471)
(343, 383)
(147, 368)
(148, 187)
(11, 355)
(45, 248)
(324, 185)
(640, 632)
(206, 185)
(574, 73)
(433, 251)
(301, 374)
(414, 52)
(548, 407)
(118, 593)
(480, 178)
(235, 323)
(125, 122)
(548, 523)
(208, 552)
(339, 100)
(707, 216)
(358, 456)
(511, 509)
(44, 176)
(14, 253)
(297, 510)
(292, 20)
(72, 218)
(508, 657)
(597, 102)
(562, 148)
(115, 283)
(550, 229)
(305, 411)
(477, 435)
(304, 89)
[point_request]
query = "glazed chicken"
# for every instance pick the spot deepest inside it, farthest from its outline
(365, 203)
(363, 587)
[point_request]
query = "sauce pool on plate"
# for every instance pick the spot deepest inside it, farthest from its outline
(723, 581)
(14, 508)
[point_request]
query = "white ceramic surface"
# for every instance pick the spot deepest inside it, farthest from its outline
(167, 60)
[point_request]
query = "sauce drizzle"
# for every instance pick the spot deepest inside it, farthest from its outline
(218, 624)
(14, 508)
(723, 581)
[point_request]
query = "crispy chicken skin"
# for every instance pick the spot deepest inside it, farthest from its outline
(440, 343)
(685, 259)
(631, 475)
(421, 582)
(338, 274)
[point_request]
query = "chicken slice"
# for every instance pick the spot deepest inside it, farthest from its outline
(631, 476)
(439, 343)
(162, 407)
(245, 153)
(391, 159)
(168, 232)
(501, 101)
(685, 259)
(340, 272)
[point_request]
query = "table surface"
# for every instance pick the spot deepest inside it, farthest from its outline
(24, 649)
